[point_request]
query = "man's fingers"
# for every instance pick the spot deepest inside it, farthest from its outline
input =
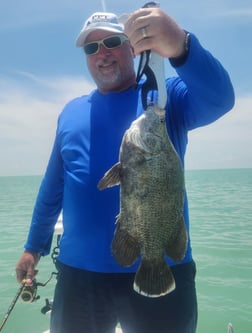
(20, 274)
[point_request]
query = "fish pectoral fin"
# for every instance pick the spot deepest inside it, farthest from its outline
(154, 278)
(177, 248)
(125, 247)
(111, 178)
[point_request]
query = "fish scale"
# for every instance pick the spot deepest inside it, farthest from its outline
(150, 223)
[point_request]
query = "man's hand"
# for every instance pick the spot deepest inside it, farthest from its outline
(152, 29)
(25, 268)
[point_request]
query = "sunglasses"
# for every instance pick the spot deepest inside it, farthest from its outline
(111, 42)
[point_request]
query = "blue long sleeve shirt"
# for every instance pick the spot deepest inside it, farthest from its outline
(88, 137)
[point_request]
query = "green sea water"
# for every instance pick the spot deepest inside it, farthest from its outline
(220, 203)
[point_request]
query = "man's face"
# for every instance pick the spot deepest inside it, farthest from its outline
(111, 69)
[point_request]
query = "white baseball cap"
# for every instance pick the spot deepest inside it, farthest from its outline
(101, 21)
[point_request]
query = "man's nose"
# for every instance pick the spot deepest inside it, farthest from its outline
(103, 50)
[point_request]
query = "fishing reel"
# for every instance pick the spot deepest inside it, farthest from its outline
(29, 293)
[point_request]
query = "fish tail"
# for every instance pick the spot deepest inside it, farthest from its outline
(154, 278)
(125, 247)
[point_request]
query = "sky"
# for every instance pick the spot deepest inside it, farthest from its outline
(41, 70)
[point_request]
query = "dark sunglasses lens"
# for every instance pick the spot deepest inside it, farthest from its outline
(112, 42)
(91, 48)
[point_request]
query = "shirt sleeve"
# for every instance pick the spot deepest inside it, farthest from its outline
(48, 205)
(204, 91)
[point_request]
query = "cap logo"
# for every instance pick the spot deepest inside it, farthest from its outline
(101, 18)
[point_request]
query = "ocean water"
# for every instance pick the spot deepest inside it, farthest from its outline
(220, 203)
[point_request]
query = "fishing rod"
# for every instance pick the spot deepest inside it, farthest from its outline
(103, 3)
(13, 303)
(28, 294)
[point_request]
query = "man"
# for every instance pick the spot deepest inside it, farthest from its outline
(93, 293)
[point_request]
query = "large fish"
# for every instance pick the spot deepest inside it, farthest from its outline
(150, 223)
